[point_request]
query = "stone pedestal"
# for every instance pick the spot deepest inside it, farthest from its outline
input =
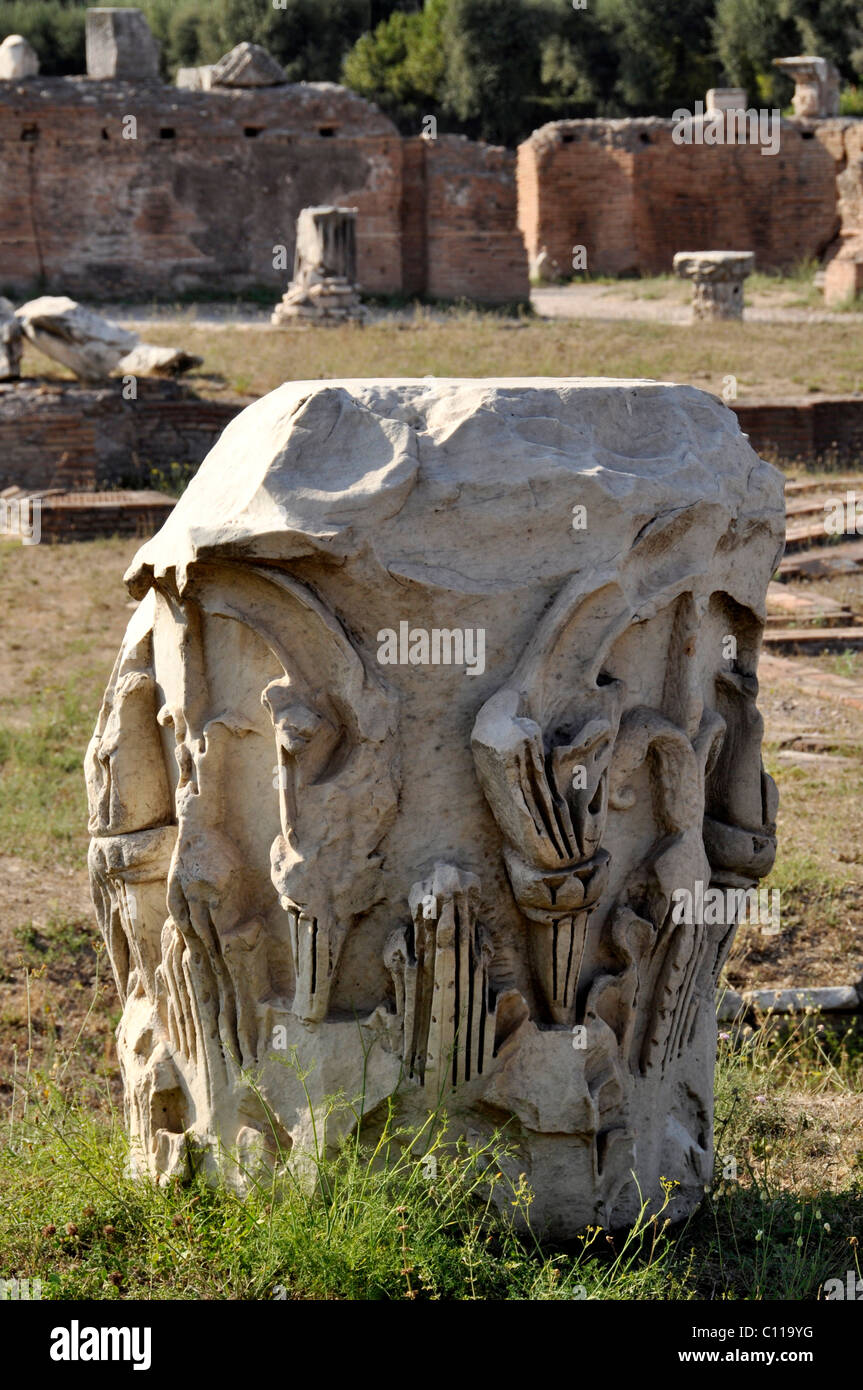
(816, 90)
(18, 59)
(325, 268)
(717, 279)
(433, 733)
(120, 44)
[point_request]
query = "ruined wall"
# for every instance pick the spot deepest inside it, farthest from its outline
(632, 197)
(464, 197)
(199, 199)
(215, 180)
(73, 437)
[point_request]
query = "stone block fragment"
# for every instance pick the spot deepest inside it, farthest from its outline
(725, 99)
(816, 85)
(247, 65)
(11, 343)
(18, 59)
(89, 345)
(120, 45)
(828, 999)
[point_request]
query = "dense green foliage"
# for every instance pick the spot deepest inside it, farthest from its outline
(492, 68)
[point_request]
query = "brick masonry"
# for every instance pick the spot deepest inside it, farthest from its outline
(632, 197)
(469, 237)
(79, 438)
(806, 430)
(214, 181)
(85, 516)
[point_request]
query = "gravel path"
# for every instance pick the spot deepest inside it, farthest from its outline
(608, 302)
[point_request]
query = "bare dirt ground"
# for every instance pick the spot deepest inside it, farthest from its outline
(661, 301)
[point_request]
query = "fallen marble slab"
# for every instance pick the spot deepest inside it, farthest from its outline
(89, 345)
(730, 1005)
(147, 359)
(826, 999)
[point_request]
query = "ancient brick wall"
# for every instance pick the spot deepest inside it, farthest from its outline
(214, 181)
(820, 430)
(471, 244)
(632, 197)
(199, 199)
(85, 516)
(77, 438)
(414, 217)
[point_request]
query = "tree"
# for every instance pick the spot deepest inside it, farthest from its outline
(666, 53)
(55, 30)
(749, 34)
(400, 64)
(492, 65)
(308, 37)
(579, 63)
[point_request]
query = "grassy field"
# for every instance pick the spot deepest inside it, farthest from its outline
(767, 360)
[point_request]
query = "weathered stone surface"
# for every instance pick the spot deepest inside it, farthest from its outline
(424, 730)
(716, 266)
(199, 79)
(830, 999)
(89, 345)
(717, 278)
(816, 89)
(544, 269)
(843, 278)
(731, 1005)
(18, 59)
(725, 99)
(147, 359)
(11, 342)
(247, 65)
(325, 266)
(120, 44)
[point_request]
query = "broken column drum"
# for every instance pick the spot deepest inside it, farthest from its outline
(325, 268)
(438, 697)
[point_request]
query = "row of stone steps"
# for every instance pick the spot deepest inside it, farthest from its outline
(82, 516)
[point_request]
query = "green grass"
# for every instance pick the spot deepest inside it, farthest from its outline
(43, 807)
(768, 359)
(58, 940)
(382, 1222)
(851, 101)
